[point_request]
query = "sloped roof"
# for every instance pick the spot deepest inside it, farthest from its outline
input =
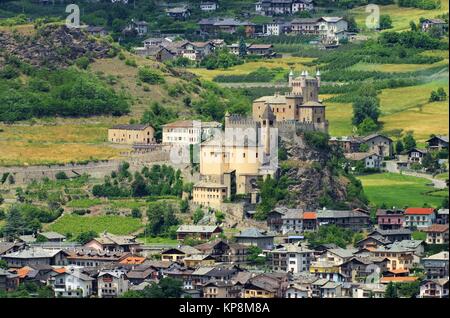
(131, 127)
(419, 211)
(356, 156)
(197, 228)
(253, 233)
(53, 235)
(34, 252)
(439, 228)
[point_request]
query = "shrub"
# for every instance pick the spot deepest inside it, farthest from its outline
(61, 175)
(147, 75)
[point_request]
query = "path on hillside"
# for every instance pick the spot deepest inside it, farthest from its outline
(391, 166)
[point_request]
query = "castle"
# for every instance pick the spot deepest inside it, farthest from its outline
(232, 162)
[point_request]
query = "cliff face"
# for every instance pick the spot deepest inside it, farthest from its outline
(315, 179)
(53, 46)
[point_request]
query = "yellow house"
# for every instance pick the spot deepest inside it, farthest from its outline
(178, 254)
(199, 260)
(257, 292)
(132, 134)
(399, 259)
(209, 194)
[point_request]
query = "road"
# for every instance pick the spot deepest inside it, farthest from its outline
(391, 166)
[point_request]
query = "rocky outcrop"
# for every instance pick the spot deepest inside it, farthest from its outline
(53, 46)
(313, 179)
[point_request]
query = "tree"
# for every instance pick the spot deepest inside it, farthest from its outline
(61, 175)
(366, 105)
(391, 291)
(3, 264)
(136, 213)
(242, 48)
(254, 257)
(198, 215)
(413, 26)
(367, 126)
(385, 22)
(409, 141)
(160, 218)
(85, 237)
(184, 206)
(399, 147)
(444, 204)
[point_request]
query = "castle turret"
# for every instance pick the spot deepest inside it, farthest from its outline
(291, 77)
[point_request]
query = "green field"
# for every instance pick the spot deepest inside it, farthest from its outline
(83, 203)
(114, 224)
(400, 16)
(398, 190)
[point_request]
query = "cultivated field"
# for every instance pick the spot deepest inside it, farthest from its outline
(297, 63)
(399, 190)
(75, 224)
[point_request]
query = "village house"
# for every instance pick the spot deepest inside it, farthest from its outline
(218, 25)
(159, 53)
(282, 7)
(367, 159)
(179, 253)
(284, 220)
(440, 24)
(8, 281)
(361, 267)
(300, 286)
(72, 283)
(51, 237)
(379, 144)
(111, 242)
(179, 13)
(371, 290)
(331, 290)
(350, 219)
(332, 29)
(225, 252)
(140, 27)
(221, 289)
(210, 194)
(434, 288)
(393, 234)
(265, 50)
(132, 134)
(327, 270)
(92, 257)
(266, 286)
(197, 260)
(416, 155)
(291, 258)
(202, 232)
(372, 241)
(305, 26)
(142, 273)
(276, 28)
(9, 247)
(419, 217)
(400, 258)
(188, 132)
(436, 265)
(348, 144)
(441, 218)
(209, 6)
(34, 273)
(437, 234)
(255, 237)
(417, 246)
(112, 283)
(437, 143)
(390, 219)
(96, 31)
(35, 256)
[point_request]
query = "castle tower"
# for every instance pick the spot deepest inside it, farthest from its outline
(267, 121)
(291, 77)
(318, 78)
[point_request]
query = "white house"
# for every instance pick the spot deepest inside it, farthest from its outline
(72, 283)
(434, 288)
(291, 258)
(209, 6)
(185, 132)
(370, 160)
(332, 29)
(112, 283)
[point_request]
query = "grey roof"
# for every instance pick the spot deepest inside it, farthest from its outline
(35, 252)
(6, 246)
(340, 214)
(411, 244)
(202, 271)
(443, 138)
(114, 273)
(76, 273)
(344, 253)
(4, 272)
(186, 249)
(253, 233)
(27, 238)
(393, 232)
(52, 235)
(131, 127)
(439, 256)
(305, 20)
(197, 228)
(369, 137)
(331, 284)
(442, 211)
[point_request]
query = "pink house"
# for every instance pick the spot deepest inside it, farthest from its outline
(390, 219)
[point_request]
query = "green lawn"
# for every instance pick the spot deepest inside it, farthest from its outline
(398, 190)
(418, 235)
(76, 224)
(442, 176)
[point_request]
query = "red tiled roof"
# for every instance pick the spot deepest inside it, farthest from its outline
(309, 215)
(133, 260)
(23, 272)
(439, 228)
(60, 270)
(413, 211)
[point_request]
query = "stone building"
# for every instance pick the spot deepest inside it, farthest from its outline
(132, 134)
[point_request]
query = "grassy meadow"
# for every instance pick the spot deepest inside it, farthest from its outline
(399, 190)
